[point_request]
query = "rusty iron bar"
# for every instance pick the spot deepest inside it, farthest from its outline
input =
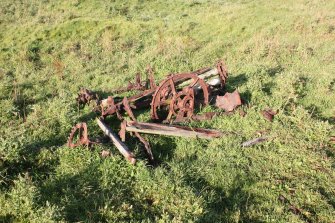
(123, 129)
(223, 72)
(150, 78)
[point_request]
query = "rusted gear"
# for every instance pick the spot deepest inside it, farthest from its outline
(82, 133)
(180, 103)
(223, 72)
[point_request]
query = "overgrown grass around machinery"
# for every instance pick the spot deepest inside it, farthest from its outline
(280, 55)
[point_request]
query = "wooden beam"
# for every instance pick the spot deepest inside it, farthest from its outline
(170, 130)
(117, 142)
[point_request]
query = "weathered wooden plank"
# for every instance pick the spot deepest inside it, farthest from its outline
(170, 130)
(117, 142)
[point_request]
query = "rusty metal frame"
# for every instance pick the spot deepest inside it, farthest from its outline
(177, 94)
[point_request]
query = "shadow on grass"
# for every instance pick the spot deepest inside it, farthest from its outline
(84, 199)
(162, 149)
(29, 161)
(225, 205)
(68, 192)
(234, 82)
(87, 117)
(273, 71)
(316, 113)
(7, 218)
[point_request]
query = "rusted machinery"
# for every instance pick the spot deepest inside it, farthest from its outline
(172, 101)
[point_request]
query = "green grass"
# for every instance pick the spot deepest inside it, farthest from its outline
(280, 54)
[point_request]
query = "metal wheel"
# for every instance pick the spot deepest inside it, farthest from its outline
(170, 102)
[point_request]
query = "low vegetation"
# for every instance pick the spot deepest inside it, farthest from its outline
(280, 55)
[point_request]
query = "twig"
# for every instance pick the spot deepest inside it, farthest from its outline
(254, 141)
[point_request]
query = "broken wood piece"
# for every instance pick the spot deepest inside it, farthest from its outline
(105, 153)
(332, 139)
(117, 142)
(229, 101)
(254, 141)
(269, 114)
(170, 130)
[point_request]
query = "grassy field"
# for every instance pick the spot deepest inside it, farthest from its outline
(280, 54)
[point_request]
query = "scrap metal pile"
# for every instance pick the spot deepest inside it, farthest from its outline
(174, 100)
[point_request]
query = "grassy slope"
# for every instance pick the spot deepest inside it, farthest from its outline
(280, 55)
